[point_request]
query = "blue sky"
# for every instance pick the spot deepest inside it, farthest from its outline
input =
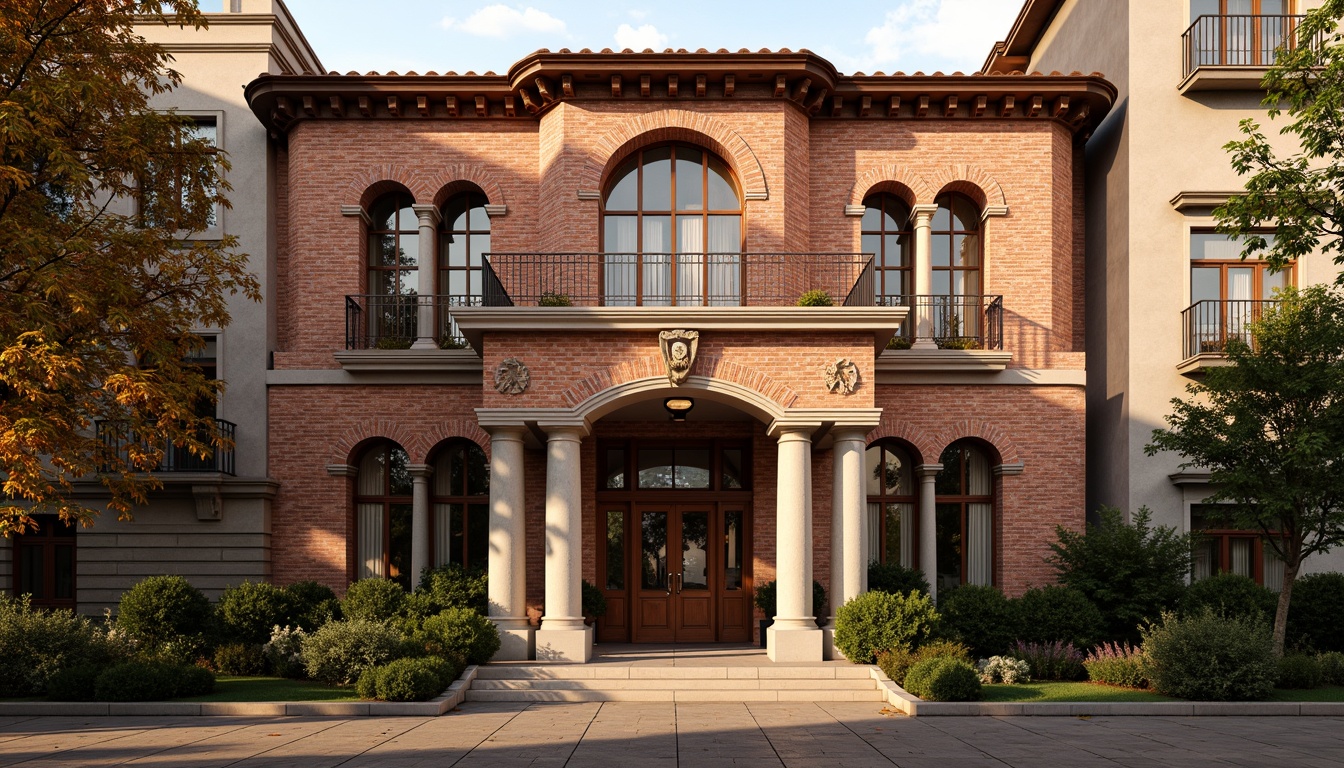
(480, 35)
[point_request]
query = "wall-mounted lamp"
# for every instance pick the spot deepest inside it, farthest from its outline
(678, 407)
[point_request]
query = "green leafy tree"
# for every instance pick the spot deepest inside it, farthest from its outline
(98, 287)
(1131, 572)
(1269, 428)
(1300, 195)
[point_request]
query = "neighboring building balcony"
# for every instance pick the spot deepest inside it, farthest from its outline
(1234, 52)
(177, 459)
(1208, 325)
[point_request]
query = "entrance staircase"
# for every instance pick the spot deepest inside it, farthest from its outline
(679, 675)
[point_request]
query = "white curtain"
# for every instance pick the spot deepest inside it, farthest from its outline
(907, 534)
(874, 543)
(657, 266)
(690, 261)
(621, 264)
(1240, 553)
(979, 520)
(1273, 575)
(725, 267)
(443, 535)
(1205, 555)
(370, 537)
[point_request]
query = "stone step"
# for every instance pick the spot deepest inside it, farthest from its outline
(671, 684)
(621, 672)
(673, 695)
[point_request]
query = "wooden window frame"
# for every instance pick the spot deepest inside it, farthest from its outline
(461, 446)
(964, 500)
(398, 230)
(883, 499)
(944, 201)
(905, 274)
(474, 200)
(45, 536)
(386, 500)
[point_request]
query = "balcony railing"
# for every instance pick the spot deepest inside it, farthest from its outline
(1209, 324)
(1237, 41)
(176, 458)
(950, 322)
(379, 321)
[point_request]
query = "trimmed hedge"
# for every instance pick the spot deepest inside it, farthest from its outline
(896, 663)
(167, 615)
(151, 681)
(1057, 614)
(1316, 613)
(247, 611)
(381, 600)
(459, 633)
(338, 653)
(1300, 671)
(408, 679)
(879, 621)
(981, 616)
(1230, 594)
(895, 578)
(944, 679)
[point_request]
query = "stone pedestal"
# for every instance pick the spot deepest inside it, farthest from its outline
(572, 645)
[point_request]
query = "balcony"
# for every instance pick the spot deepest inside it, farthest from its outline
(948, 322)
(1207, 326)
(177, 459)
(1234, 52)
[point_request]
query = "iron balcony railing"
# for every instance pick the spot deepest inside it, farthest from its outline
(177, 458)
(1238, 41)
(380, 321)
(950, 322)
(1209, 324)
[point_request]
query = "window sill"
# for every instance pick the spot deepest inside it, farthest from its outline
(399, 360)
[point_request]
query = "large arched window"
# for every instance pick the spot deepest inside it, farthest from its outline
(887, 235)
(394, 254)
(956, 257)
(672, 230)
(964, 510)
(461, 505)
(383, 515)
(464, 241)
(889, 482)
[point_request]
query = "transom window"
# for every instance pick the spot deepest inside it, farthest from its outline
(461, 505)
(1218, 273)
(672, 230)
(708, 465)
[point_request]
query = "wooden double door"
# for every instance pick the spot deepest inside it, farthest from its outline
(687, 579)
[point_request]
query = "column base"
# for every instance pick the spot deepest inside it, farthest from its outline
(516, 644)
(424, 342)
(567, 645)
(793, 644)
(828, 650)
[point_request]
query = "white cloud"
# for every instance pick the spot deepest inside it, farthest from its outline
(933, 31)
(638, 14)
(502, 22)
(637, 39)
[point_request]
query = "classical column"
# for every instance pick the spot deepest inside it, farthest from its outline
(794, 636)
(420, 544)
(507, 582)
(563, 635)
(427, 266)
(928, 525)
(922, 311)
(849, 567)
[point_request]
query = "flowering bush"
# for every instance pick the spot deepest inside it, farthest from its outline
(1050, 661)
(1116, 664)
(1004, 669)
(284, 651)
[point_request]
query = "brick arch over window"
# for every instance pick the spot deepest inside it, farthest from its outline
(919, 441)
(359, 435)
(651, 367)
(675, 125)
(910, 187)
(985, 432)
(454, 179)
(428, 437)
(369, 184)
(972, 181)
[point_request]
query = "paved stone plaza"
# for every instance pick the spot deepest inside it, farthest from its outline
(652, 735)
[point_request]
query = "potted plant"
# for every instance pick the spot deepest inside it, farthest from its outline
(594, 603)
(554, 299)
(816, 298)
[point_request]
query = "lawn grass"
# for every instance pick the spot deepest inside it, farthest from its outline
(274, 689)
(1326, 693)
(1058, 691)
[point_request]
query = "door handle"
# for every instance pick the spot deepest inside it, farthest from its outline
(680, 582)
(670, 577)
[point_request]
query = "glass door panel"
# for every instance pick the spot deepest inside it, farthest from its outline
(653, 537)
(694, 551)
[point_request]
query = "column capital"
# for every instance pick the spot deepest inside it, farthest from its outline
(850, 434)
(928, 470)
(428, 214)
(506, 433)
(420, 471)
(575, 432)
(923, 211)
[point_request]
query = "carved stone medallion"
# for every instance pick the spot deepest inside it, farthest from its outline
(512, 377)
(678, 349)
(842, 376)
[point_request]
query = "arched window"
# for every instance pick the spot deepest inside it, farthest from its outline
(890, 486)
(383, 515)
(887, 235)
(464, 241)
(394, 254)
(672, 230)
(956, 256)
(461, 505)
(964, 509)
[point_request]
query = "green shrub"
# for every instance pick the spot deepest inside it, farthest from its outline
(151, 681)
(943, 679)
(35, 644)
(554, 299)
(594, 602)
(1229, 594)
(1003, 669)
(449, 586)
(879, 621)
(247, 611)
(895, 578)
(765, 598)
(240, 659)
(167, 617)
(380, 600)
(1057, 614)
(459, 633)
(1332, 667)
(284, 651)
(393, 342)
(981, 617)
(1316, 613)
(340, 651)
(1131, 572)
(816, 298)
(897, 661)
(1300, 671)
(74, 683)
(1117, 664)
(311, 606)
(408, 679)
(1208, 657)
(1050, 661)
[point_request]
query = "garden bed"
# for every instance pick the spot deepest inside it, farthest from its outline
(1067, 691)
(274, 689)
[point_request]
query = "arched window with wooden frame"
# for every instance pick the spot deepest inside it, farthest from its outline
(964, 514)
(672, 230)
(886, 233)
(383, 514)
(393, 270)
(956, 252)
(461, 502)
(464, 242)
(890, 486)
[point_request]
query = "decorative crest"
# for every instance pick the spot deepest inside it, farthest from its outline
(678, 349)
(512, 377)
(842, 376)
